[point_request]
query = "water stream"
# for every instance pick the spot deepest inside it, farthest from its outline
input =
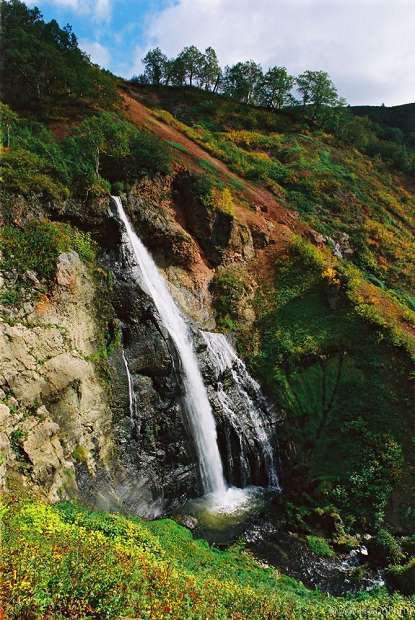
(131, 397)
(197, 406)
(250, 401)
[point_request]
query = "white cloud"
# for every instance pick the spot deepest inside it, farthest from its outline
(98, 9)
(367, 46)
(102, 9)
(98, 53)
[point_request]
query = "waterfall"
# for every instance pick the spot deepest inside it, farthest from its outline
(197, 406)
(131, 398)
(250, 401)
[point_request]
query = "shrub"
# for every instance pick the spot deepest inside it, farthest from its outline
(387, 548)
(227, 289)
(319, 546)
(311, 256)
(149, 155)
(403, 577)
(220, 200)
(23, 172)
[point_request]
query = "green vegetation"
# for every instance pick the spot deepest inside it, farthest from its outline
(65, 562)
(325, 356)
(403, 577)
(103, 149)
(336, 189)
(37, 246)
(178, 146)
(43, 68)
(228, 289)
(319, 546)
(245, 82)
(332, 342)
(386, 546)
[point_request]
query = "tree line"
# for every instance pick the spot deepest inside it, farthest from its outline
(246, 82)
(42, 64)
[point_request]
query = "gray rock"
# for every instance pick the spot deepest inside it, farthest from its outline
(187, 521)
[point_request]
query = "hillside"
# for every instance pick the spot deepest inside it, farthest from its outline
(400, 117)
(288, 237)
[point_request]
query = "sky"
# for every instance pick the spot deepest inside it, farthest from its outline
(366, 46)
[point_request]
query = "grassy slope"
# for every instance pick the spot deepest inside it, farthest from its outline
(64, 562)
(401, 116)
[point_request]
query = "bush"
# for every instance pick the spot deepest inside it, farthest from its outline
(403, 577)
(386, 548)
(319, 546)
(227, 289)
(149, 155)
(23, 172)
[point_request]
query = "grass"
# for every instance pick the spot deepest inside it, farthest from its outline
(334, 187)
(66, 562)
(178, 146)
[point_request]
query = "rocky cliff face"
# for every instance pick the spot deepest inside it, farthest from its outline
(67, 428)
(55, 411)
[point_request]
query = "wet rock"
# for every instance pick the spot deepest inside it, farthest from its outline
(154, 441)
(187, 521)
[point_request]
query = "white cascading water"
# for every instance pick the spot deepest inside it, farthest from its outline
(131, 398)
(199, 412)
(225, 358)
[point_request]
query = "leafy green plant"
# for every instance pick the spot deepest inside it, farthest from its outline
(11, 296)
(227, 289)
(319, 546)
(403, 577)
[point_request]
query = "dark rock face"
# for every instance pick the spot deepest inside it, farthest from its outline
(219, 235)
(155, 444)
(152, 213)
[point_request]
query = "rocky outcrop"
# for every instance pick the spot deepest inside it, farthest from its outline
(222, 238)
(54, 404)
(68, 427)
(151, 210)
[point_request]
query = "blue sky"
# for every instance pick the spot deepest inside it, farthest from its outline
(109, 30)
(367, 46)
